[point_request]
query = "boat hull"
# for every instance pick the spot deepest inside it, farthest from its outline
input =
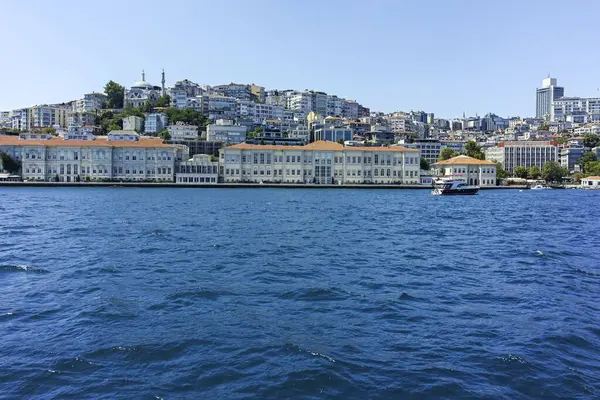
(464, 192)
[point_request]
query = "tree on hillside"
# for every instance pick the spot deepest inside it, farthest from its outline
(447, 153)
(115, 93)
(534, 172)
(593, 168)
(164, 134)
(591, 140)
(9, 164)
(562, 140)
(424, 164)
(255, 133)
(472, 149)
(588, 157)
(520, 172)
(553, 172)
(341, 141)
(164, 101)
(544, 127)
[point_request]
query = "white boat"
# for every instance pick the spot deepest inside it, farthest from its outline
(454, 188)
(540, 187)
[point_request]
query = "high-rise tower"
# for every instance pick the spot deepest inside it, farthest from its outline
(545, 96)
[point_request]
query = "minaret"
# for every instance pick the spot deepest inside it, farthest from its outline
(163, 82)
(143, 76)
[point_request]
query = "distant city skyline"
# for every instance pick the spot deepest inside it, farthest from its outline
(387, 55)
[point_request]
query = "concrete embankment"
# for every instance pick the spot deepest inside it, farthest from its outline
(226, 185)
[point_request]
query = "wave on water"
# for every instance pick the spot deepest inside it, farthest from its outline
(23, 268)
(316, 294)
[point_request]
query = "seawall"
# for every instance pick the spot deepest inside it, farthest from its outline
(228, 185)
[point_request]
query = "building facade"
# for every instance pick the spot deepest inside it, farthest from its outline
(467, 169)
(320, 163)
(94, 159)
(546, 96)
(512, 154)
(141, 93)
(133, 123)
(228, 133)
(90, 102)
(155, 122)
(181, 131)
(197, 170)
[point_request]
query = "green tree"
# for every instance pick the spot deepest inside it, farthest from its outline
(562, 140)
(262, 142)
(544, 127)
(424, 164)
(553, 172)
(593, 168)
(520, 172)
(164, 101)
(115, 93)
(341, 141)
(255, 133)
(49, 130)
(591, 140)
(472, 149)
(501, 173)
(588, 157)
(534, 172)
(9, 164)
(447, 153)
(164, 134)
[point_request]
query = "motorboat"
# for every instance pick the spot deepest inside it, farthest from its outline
(454, 188)
(540, 187)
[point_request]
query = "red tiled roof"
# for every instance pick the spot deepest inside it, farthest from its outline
(99, 142)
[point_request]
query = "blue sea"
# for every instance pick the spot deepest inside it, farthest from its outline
(135, 293)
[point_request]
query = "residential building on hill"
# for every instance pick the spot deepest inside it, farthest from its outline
(90, 102)
(467, 169)
(320, 163)
(133, 123)
(155, 122)
(225, 131)
(181, 130)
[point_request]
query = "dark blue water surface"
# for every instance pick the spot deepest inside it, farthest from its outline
(273, 293)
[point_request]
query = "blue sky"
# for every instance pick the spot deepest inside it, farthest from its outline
(445, 56)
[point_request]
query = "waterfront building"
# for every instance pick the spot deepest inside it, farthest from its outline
(467, 169)
(182, 130)
(90, 102)
(321, 163)
(225, 131)
(591, 182)
(133, 123)
(155, 122)
(199, 169)
(96, 158)
(546, 96)
(512, 154)
(141, 93)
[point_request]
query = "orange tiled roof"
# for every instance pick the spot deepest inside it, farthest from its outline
(99, 142)
(591, 178)
(464, 160)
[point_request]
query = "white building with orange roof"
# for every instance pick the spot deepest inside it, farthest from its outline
(591, 182)
(96, 158)
(320, 162)
(468, 169)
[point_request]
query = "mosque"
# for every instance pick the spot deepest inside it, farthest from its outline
(143, 92)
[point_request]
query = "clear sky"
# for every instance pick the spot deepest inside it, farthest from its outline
(444, 56)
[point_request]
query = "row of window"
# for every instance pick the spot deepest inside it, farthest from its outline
(474, 171)
(196, 179)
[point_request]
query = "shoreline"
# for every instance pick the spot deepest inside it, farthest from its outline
(231, 185)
